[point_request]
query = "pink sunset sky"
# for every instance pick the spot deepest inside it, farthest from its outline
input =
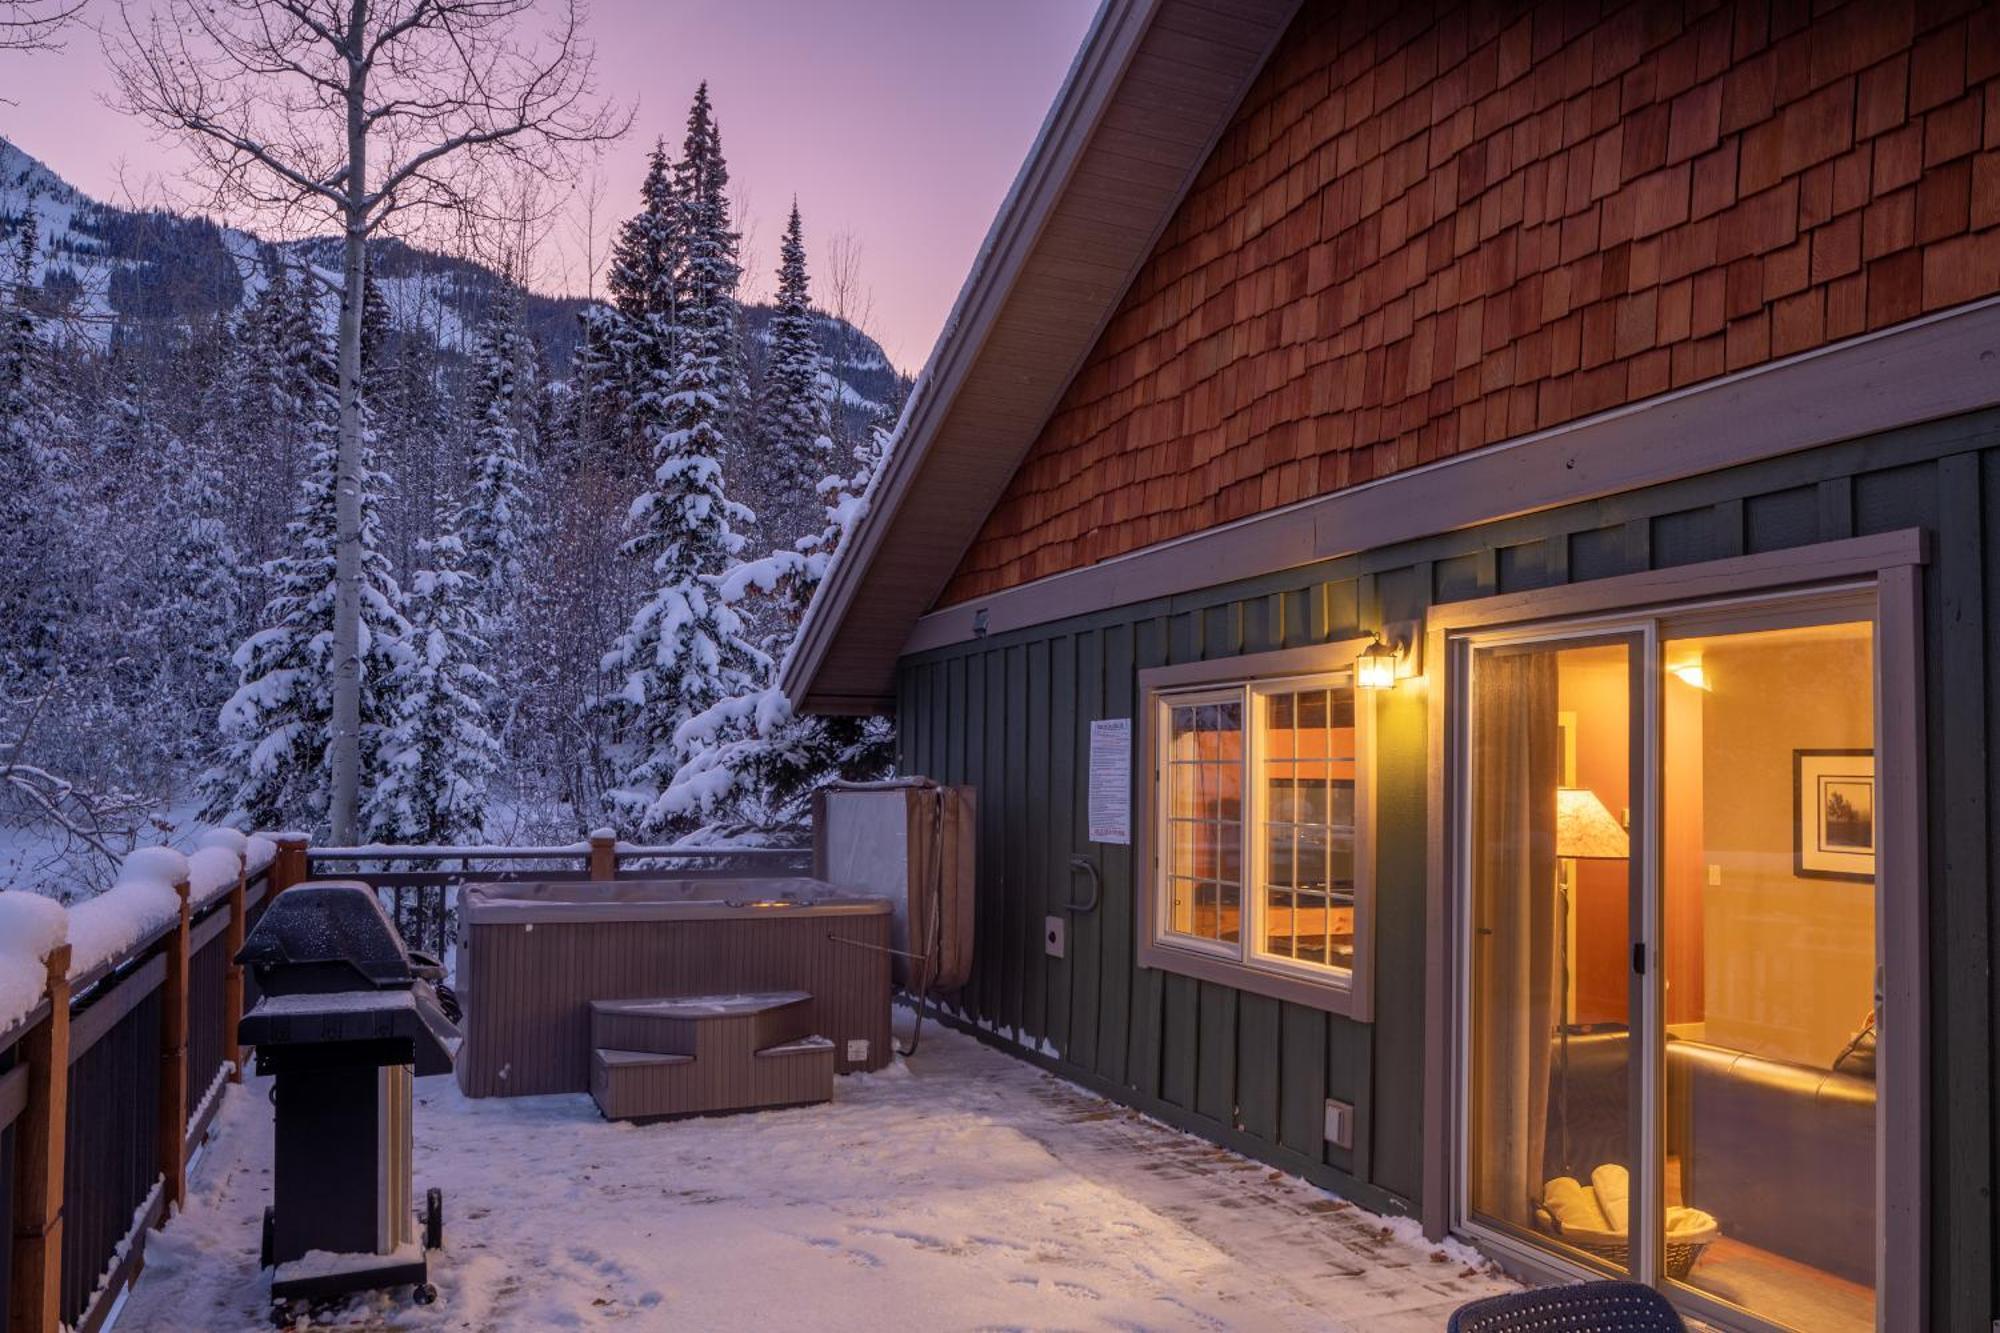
(898, 122)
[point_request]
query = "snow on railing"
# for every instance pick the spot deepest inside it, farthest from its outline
(31, 926)
(98, 959)
(101, 930)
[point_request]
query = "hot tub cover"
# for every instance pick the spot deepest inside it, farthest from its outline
(545, 901)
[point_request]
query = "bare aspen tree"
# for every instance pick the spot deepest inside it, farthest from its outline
(586, 235)
(846, 297)
(366, 114)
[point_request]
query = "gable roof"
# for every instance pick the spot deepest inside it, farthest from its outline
(1151, 90)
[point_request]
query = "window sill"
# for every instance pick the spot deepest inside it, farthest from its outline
(1336, 994)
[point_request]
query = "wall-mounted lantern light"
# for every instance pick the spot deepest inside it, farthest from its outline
(1375, 668)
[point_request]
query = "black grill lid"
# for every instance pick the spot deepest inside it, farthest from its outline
(326, 936)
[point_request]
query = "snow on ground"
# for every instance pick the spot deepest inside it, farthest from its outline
(964, 1189)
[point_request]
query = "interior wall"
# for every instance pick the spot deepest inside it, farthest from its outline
(1790, 960)
(1682, 868)
(1593, 689)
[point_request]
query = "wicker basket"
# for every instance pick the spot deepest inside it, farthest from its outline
(1615, 1248)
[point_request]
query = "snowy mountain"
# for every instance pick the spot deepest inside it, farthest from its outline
(112, 268)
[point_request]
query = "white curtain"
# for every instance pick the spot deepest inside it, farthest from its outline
(1515, 772)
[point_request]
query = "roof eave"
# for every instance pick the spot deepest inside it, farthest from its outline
(1089, 91)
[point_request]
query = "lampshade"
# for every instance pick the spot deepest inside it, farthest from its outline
(1585, 830)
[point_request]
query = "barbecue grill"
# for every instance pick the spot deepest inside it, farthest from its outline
(348, 1017)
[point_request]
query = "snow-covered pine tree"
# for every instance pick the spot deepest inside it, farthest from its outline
(437, 753)
(753, 764)
(708, 280)
(264, 447)
(272, 769)
(36, 601)
(684, 649)
(646, 256)
(597, 408)
(794, 422)
(421, 443)
(121, 436)
(492, 522)
(646, 262)
(194, 606)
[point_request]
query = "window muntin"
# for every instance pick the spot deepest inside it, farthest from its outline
(1257, 807)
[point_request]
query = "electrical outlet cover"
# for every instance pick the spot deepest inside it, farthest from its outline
(1339, 1123)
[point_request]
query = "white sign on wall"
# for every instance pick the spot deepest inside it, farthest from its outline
(1111, 780)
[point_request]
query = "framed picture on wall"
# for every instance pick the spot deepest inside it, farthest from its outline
(1833, 814)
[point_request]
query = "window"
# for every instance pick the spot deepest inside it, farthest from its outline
(1204, 785)
(1258, 796)
(1305, 823)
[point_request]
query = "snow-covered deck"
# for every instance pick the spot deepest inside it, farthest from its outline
(962, 1190)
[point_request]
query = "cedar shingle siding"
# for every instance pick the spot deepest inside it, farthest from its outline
(1434, 227)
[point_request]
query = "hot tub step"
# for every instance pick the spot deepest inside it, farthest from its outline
(649, 1085)
(689, 1024)
(614, 1059)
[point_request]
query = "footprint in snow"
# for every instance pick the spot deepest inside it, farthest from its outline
(859, 1258)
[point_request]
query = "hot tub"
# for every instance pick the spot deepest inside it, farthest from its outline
(532, 956)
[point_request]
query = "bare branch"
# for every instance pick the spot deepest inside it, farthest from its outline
(36, 25)
(105, 821)
(267, 93)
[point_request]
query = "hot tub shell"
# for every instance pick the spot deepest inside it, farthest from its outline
(532, 956)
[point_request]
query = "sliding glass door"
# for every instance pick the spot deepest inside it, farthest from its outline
(1767, 896)
(1550, 1129)
(1668, 938)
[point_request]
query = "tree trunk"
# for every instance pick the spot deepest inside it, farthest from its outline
(344, 759)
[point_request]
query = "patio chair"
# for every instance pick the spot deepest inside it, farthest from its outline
(1587, 1307)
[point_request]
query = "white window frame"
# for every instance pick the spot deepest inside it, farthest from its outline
(1164, 703)
(1244, 964)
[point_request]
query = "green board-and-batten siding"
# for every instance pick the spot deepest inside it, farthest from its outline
(1010, 715)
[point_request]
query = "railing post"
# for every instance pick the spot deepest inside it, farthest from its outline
(39, 1142)
(232, 983)
(603, 855)
(288, 867)
(173, 1121)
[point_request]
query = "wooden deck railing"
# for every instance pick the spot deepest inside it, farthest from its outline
(110, 1084)
(107, 1088)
